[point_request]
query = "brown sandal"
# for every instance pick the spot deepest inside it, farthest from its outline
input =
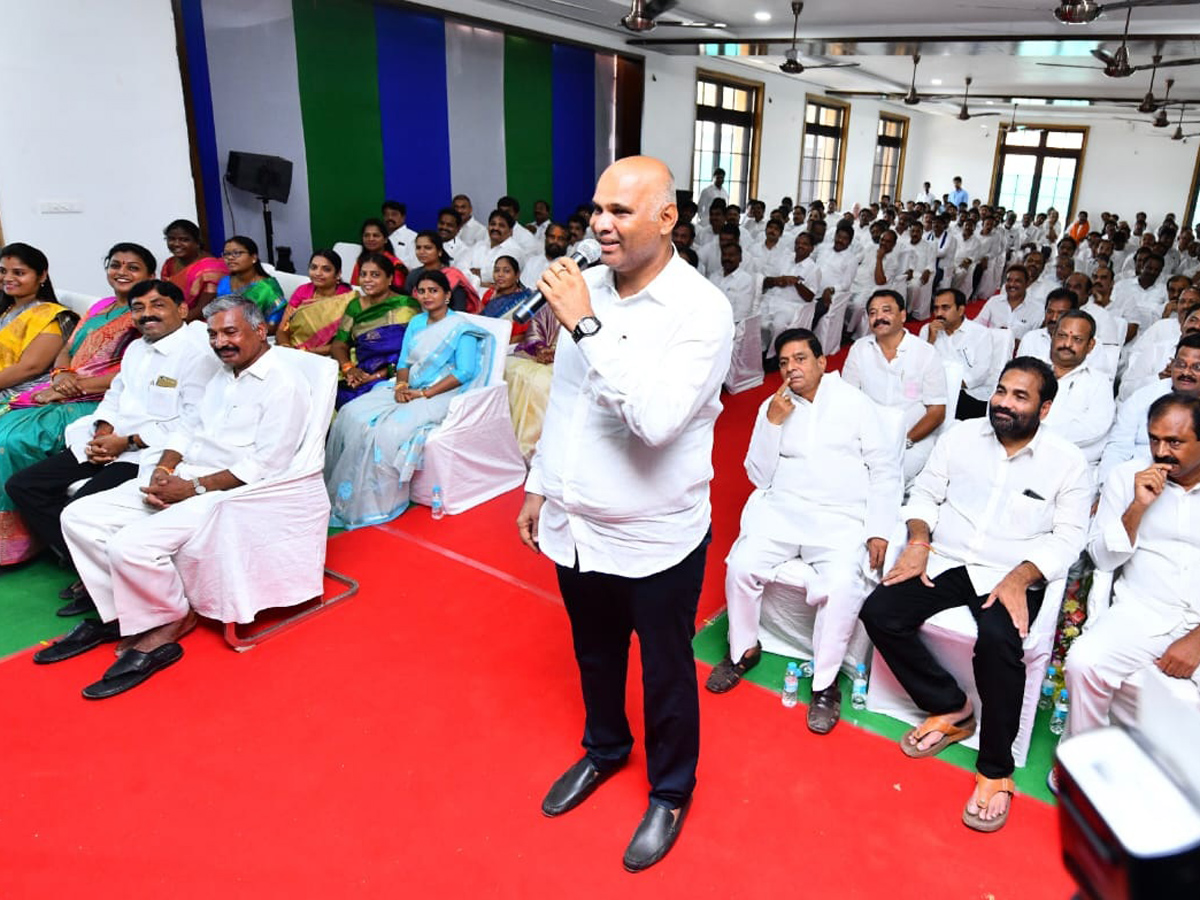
(726, 675)
(985, 790)
(952, 733)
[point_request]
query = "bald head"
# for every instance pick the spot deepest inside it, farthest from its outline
(653, 174)
(633, 215)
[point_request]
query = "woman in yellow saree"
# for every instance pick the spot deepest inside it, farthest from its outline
(32, 325)
(315, 309)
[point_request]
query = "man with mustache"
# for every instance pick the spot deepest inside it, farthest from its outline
(1083, 409)
(1000, 508)
(1146, 527)
(159, 387)
(837, 523)
(1127, 439)
(959, 339)
(251, 420)
(895, 368)
(1011, 308)
(1039, 343)
(555, 243)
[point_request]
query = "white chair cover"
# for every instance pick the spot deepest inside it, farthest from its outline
(75, 301)
(473, 455)
(745, 364)
(829, 329)
(263, 546)
(349, 254)
(954, 378)
(1003, 344)
(289, 281)
(950, 636)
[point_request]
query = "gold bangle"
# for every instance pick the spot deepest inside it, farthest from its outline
(347, 366)
(401, 384)
(165, 469)
(920, 544)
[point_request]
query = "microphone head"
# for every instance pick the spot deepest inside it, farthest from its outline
(589, 250)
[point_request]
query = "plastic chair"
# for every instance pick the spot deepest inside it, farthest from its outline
(950, 636)
(281, 522)
(473, 454)
(349, 253)
(289, 281)
(75, 301)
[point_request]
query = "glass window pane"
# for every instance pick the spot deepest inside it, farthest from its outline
(1023, 138)
(1064, 140)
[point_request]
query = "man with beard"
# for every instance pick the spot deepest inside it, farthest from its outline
(470, 230)
(1083, 409)
(1041, 282)
(895, 368)
(959, 339)
(1001, 508)
(1127, 438)
(158, 389)
(555, 247)
(837, 523)
(1039, 343)
(1012, 309)
(251, 420)
(1145, 526)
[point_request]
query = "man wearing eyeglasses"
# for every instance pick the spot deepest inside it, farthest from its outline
(1128, 438)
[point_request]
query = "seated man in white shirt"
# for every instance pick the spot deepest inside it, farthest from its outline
(1140, 300)
(470, 230)
(530, 245)
(1039, 342)
(252, 418)
(1083, 410)
(784, 295)
(894, 367)
(1012, 308)
(1127, 437)
(879, 268)
(837, 268)
(964, 341)
(459, 251)
(1145, 526)
(159, 386)
(1000, 509)
(771, 255)
(499, 243)
(555, 244)
(541, 219)
(739, 286)
(917, 269)
(402, 238)
(1154, 347)
(828, 490)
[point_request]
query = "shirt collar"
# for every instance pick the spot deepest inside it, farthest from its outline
(261, 368)
(663, 289)
(167, 344)
(985, 428)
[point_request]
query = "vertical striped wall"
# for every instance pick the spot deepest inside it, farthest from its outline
(372, 101)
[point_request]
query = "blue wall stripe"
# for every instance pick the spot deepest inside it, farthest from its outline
(206, 131)
(574, 114)
(416, 138)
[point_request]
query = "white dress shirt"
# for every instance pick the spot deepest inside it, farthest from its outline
(533, 269)
(708, 258)
(971, 346)
(1161, 568)
(485, 256)
(1106, 323)
(917, 256)
(404, 246)
(837, 270)
(1152, 350)
(625, 456)
(998, 313)
(473, 232)
(1129, 438)
(157, 390)
(990, 511)
(1137, 304)
(741, 289)
(1083, 410)
(912, 380)
(250, 424)
(1037, 344)
(707, 196)
(828, 476)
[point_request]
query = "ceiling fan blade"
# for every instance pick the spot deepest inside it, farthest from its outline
(1131, 4)
(652, 9)
(834, 66)
(1193, 61)
(1071, 66)
(680, 24)
(981, 115)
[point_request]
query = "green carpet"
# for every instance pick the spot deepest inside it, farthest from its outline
(711, 646)
(28, 600)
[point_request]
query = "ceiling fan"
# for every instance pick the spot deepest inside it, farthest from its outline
(644, 16)
(912, 98)
(1116, 65)
(964, 114)
(1081, 12)
(1012, 125)
(791, 64)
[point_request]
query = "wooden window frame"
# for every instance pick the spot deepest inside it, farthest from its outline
(758, 89)
(903, 122)
(1041, 152)
(823, 100)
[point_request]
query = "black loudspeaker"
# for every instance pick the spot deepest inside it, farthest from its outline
(268, 177)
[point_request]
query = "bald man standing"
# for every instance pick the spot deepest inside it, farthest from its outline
(617, 494)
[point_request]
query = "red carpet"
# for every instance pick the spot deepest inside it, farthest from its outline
(400, 746)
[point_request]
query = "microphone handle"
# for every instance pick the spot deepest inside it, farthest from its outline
(526, 310)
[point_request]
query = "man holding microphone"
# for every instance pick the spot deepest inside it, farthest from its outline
(617, 494)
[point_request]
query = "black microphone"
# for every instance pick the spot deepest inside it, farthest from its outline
(587, 252)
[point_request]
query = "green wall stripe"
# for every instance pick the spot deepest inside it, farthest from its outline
(528, 120)
(339, 103)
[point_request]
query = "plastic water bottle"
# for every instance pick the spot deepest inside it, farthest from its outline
(1058, 719)
(1046, 700)
(791, 685)
(437, 506)
(805, 668)
(858, 689)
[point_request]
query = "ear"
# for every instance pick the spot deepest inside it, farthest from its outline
(1045, 410)
(668, 218)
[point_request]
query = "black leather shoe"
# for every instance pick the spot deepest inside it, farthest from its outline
(134, 667)
(78, 605)
(655, 835)
(575, 785)
(69, 592)
(83, 637)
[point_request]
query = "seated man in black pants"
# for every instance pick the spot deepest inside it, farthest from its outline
(1000, 508)
(162, 378)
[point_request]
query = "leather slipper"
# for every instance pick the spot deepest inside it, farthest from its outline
(985, 790)
(952, 732)
(132, 669)
(83, 637)
(72, 590)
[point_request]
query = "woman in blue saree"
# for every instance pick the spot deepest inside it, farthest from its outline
(378, 440)
(371, 334)
(501, 300)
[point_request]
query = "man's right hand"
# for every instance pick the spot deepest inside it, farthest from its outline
(911, 564)
(105, 448)
(936, 327)
(781, 405)
(527, 520)
(1148, 484)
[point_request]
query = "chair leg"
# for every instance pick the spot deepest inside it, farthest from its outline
(241, 642)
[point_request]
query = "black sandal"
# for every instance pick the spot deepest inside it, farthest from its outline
(726, 675)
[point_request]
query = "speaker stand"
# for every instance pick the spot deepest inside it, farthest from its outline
(269, 229)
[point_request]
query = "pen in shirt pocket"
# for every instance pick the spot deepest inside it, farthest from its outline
(1030, 493)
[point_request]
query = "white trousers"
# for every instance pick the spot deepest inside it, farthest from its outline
(1105, 656)
(919, 297)
(837, 596)
(124, 552)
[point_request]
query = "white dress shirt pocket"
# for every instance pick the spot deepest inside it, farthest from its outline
(162, 402)
(1028, 515)
(240, 425)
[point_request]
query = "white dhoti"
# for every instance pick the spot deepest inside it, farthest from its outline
(920, 298)
(838, 595)
(1123, 642)
(918, 454)
(124, 552)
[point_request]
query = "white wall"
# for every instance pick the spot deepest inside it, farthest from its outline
(93, 113)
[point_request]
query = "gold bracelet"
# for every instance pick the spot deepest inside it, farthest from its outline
(165, 469)
(346, 367)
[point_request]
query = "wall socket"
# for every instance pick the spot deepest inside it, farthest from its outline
(51, 207)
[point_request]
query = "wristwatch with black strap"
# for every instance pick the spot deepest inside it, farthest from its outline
(585, 327)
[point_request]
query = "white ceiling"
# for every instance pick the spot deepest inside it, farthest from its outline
(998, 43)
